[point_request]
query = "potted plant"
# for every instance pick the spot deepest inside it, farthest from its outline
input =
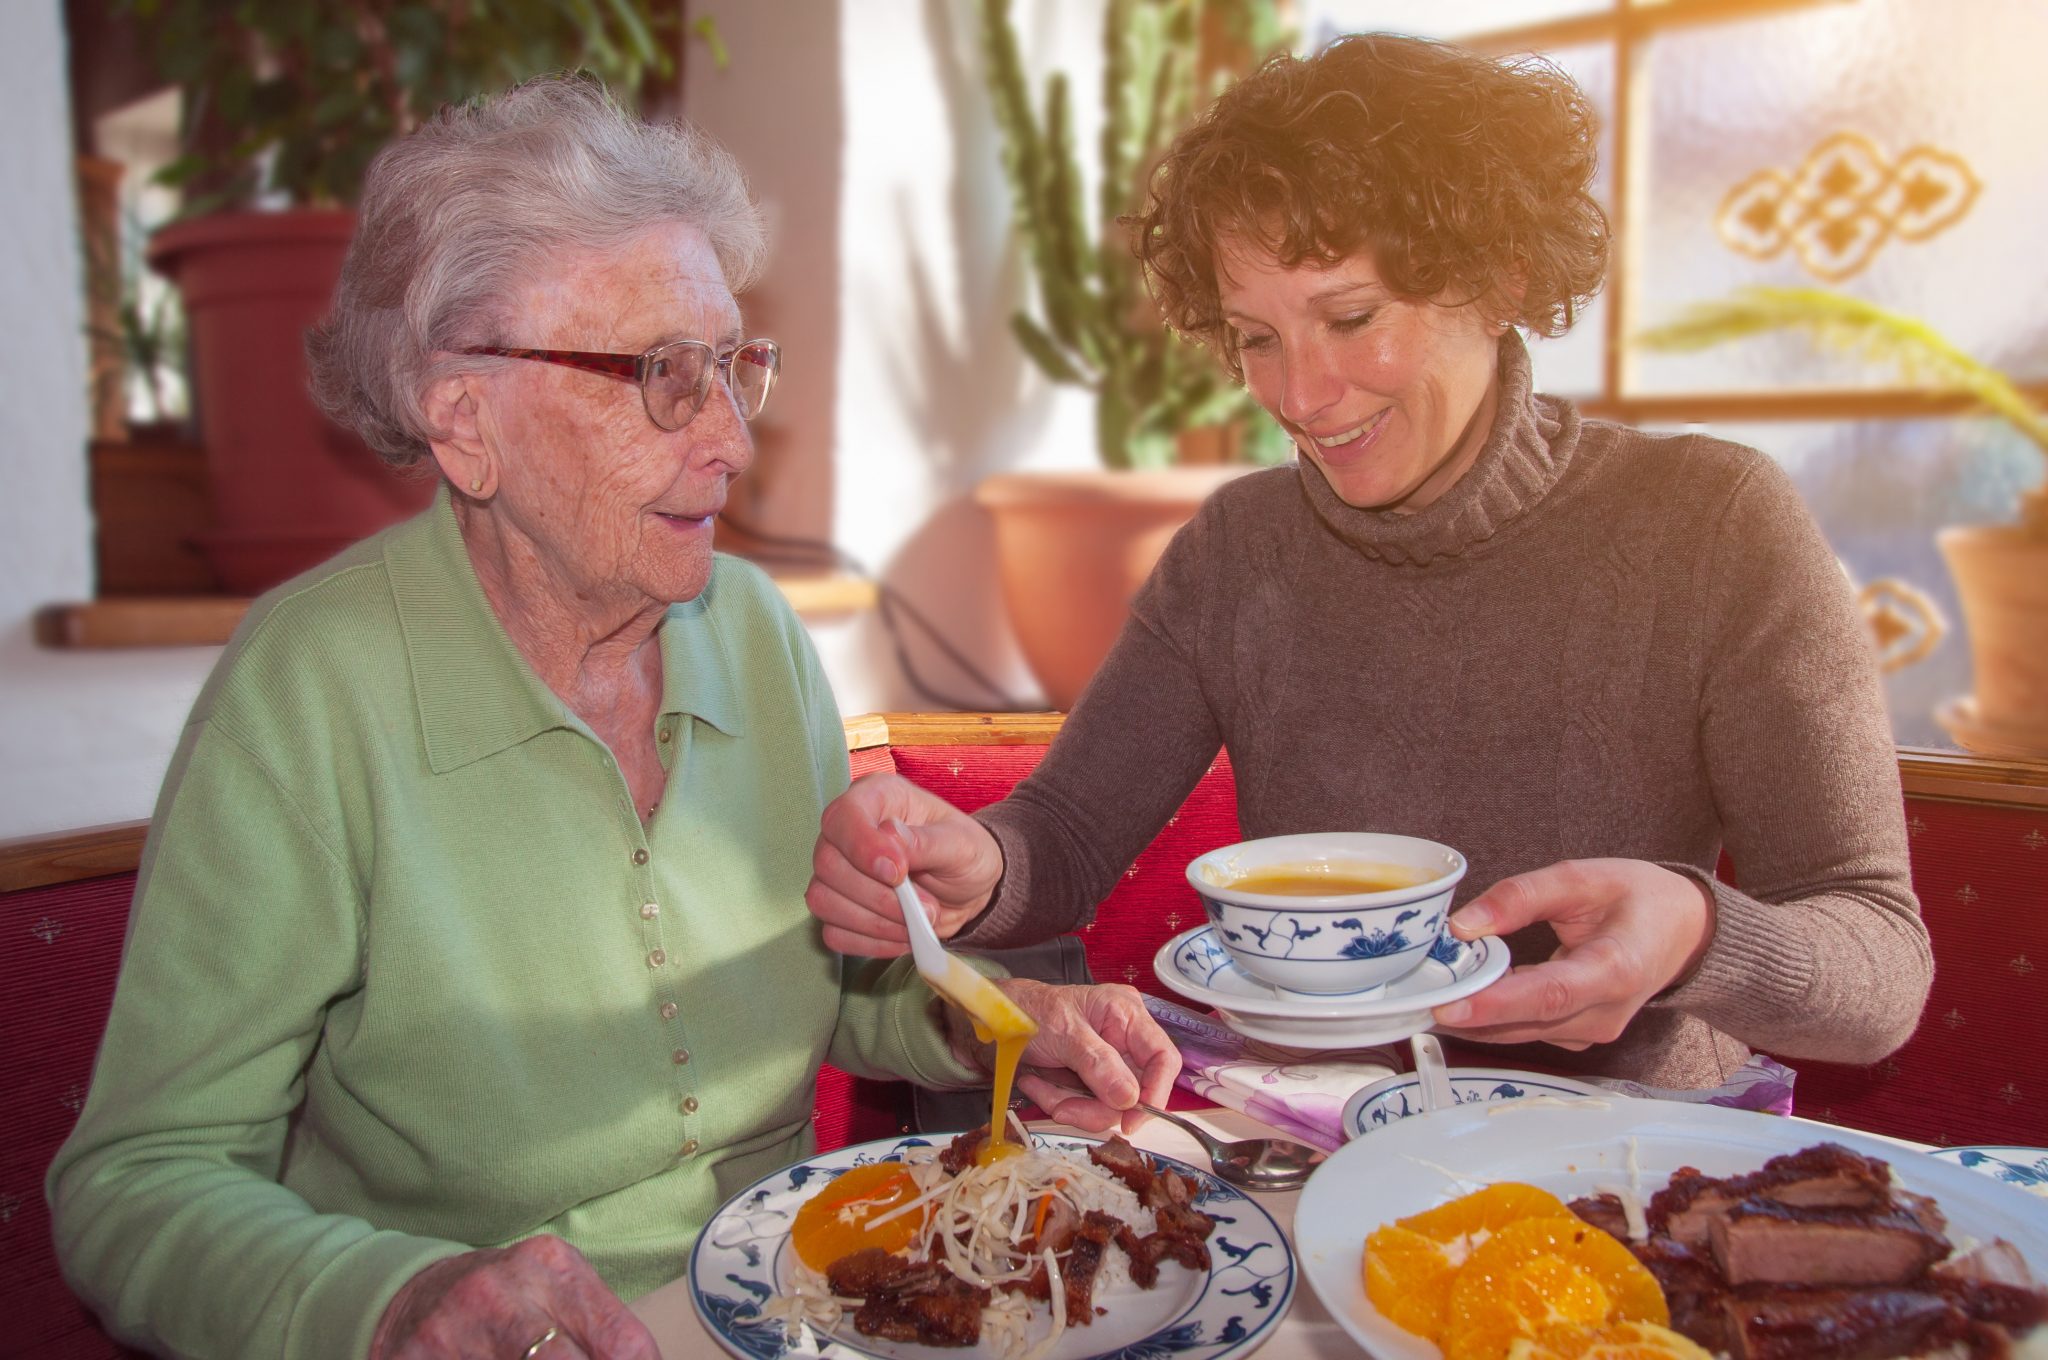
(1074, 546)
(2000, 570)
(285, 103)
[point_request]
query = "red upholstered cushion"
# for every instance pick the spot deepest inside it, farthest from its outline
(60, 948)
(1977, 1069)
(1153, 902)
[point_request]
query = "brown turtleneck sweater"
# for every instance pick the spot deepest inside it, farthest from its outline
(1597, 643)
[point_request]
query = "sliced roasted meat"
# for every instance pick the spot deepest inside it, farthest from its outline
(1084, 1262)
(904, 1301)
(1062, 1221)
(1183, 1221)
(1826, 1175)
(1603, 1212)
(947, 1314)
(1762, 1241)
(1992, 1284)
(1873, 1324)
(1693, 1289)
(961, 1152)
(872, 1270)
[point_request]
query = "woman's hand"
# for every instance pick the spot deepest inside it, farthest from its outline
(501, 1301)
(870, 836)
(1626, 929)
(1100, 1039)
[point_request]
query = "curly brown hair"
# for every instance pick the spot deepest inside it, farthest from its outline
(1461, 175)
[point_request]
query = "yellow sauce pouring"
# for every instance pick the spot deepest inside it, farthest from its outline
(996, 1018)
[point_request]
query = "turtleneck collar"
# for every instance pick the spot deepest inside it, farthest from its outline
(1525, 454)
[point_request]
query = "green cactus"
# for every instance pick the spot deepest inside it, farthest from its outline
(1095, 327)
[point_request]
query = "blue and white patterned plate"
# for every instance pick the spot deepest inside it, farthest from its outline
(743, 1258)
(1395, 1098)
(2025, 1168)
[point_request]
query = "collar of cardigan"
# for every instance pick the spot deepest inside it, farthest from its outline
(476, 695)
(1525, 454)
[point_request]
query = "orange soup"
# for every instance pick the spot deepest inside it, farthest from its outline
(1329, 880)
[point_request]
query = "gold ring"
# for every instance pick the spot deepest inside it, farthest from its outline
(535, 1349)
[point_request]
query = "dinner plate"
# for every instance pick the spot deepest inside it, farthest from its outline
(2023, 1167)
(1571, 1150)
(743, 1257)
(1399, 1097)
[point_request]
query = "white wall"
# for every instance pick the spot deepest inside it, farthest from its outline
(930, 393)
(865, 127)
(84, 737)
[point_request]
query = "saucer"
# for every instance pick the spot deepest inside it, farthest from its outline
(1195, 964)
(1394, 1098)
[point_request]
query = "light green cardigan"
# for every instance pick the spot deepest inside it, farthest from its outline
(405, 976)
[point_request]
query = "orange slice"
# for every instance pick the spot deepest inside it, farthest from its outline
(1485, 1212)
(1545, 1273)
(1410, 1265)
(1612, 1341)
(833, 1222)
(1408, 1277)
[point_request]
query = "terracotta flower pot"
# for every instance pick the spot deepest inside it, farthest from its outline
(2001, 576)
(287, 487)
(1073, 548)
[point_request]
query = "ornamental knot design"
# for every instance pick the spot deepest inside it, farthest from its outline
(1845, 202)
(47, 930)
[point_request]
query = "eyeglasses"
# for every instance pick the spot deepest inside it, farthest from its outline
(674, 378)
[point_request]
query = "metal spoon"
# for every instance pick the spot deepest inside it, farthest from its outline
(1260, 1165)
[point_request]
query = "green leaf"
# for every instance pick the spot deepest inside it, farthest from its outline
(1044, 351)
(706, 30)
(1863, 330)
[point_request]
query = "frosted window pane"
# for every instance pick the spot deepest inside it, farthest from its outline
(1572, 365)
(1322, 20)
(1732, 101)
(1880, 491)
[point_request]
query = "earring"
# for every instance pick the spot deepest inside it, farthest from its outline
(476, 485)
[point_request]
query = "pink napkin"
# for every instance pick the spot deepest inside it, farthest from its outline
(1301, 1092)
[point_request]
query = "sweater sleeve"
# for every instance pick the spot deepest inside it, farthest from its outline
(1140, 737)
(167, 1207)
(1821, 952)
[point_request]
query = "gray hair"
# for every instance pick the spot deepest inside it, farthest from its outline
(458, 216)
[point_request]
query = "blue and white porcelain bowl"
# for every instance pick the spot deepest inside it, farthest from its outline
(1339, 945)
(1392, 1099)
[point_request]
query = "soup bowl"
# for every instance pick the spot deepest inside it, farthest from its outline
(1385, 911)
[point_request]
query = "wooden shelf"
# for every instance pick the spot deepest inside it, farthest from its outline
(207, 620)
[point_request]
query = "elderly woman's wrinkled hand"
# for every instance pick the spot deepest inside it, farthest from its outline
(870, 836)
(1626, 929)
(1100, 1039)
(502, 1301)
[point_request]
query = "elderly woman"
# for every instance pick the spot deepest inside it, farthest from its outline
(1591, 658)
(469, 969)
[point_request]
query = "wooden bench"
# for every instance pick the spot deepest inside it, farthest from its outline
(1976, 1072)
